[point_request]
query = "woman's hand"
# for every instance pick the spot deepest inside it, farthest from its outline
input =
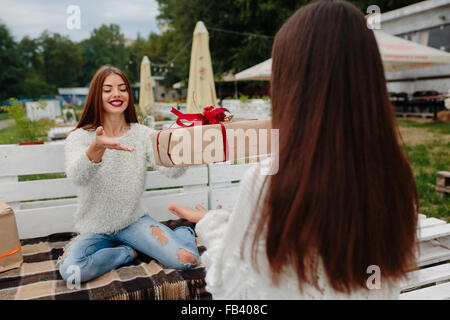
(101, 141)
(188, 213)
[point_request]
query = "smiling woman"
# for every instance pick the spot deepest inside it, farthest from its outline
(108, 101)
(110, 175)
(115, 98)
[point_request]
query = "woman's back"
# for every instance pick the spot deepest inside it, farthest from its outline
(342, 209)
(344, 190)
(231, 277)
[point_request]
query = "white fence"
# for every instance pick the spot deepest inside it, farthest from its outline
(39, 213)
(253, 109)
(46, 109)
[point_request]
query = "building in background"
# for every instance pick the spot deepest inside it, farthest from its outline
(427, 23)
(73, 96)
(160, 92)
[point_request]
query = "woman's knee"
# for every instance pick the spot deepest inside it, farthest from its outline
(71, 271)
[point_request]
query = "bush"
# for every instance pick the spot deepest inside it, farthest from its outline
(244, 98)
(24, 129)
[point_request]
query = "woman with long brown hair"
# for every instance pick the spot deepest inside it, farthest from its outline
(343, 205)
(106, 157)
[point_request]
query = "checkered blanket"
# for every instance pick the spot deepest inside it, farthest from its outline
(38, 278)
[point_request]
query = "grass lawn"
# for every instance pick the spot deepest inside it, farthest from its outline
(429, 151)
(4, 116)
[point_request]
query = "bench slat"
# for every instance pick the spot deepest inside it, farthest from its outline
(425, 276)
(430, 222)
(157, 202)
(55, 188)
(38, 222)
(18, 160)
(225, 172)
(433, 232)
(438, 292)
(433, 252)
(226, 197)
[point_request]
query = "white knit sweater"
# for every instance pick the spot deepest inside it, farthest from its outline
(109, 192)
(230, 277)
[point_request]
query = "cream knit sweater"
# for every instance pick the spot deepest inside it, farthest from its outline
(109, 192)
(230, 277)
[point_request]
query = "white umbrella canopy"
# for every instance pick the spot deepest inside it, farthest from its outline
(146, 99)
(261, 71)
(201, 88)
(396, 53)
(399, 54)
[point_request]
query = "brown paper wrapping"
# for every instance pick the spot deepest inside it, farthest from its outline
(203, 144)
(9, 239)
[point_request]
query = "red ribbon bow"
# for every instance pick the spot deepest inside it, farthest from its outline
(210, 115)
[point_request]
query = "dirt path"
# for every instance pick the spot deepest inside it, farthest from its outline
(414, 136)
(6, 123)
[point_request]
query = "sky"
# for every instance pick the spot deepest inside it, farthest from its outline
(77, 18)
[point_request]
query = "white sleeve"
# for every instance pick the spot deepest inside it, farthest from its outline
(220, 227)
(78, 167)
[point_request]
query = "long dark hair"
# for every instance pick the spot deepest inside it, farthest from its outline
(345, 190)
(93, 112)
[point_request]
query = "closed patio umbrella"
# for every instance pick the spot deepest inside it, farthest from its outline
(201, 89)
(146, 99)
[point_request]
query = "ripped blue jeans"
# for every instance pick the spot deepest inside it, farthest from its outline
(92, 255)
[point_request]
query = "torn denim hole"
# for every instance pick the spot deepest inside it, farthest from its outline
(158, 233)
(186, 257)
(66, 250)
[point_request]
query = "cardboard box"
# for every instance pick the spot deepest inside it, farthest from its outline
(203, 144)
(10, 247)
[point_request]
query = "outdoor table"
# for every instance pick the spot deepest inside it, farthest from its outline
(432, 99)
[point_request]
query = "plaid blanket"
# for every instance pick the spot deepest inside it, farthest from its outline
(38, 278)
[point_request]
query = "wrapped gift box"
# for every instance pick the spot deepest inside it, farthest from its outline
(203, 144)
(10, 247)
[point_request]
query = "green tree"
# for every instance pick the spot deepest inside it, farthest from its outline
(241, 32)
(34, 85)
(106, 45)
(61, 60)
(135, 53)
(29, 50)
(13, 67)
(160, 49)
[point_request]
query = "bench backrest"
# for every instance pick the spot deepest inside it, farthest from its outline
(47, 205)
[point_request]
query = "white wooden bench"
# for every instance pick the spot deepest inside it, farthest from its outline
(39, 212)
